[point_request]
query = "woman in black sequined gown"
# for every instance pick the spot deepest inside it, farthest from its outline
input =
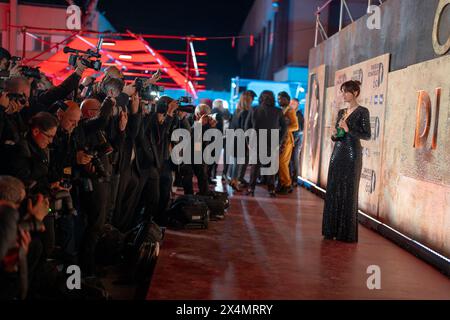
(340, 215)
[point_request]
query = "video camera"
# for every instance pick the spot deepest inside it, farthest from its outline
(147, 92)
(95, 63)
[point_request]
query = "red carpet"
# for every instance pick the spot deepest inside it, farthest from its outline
(272, 249)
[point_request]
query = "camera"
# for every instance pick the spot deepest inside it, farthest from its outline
(27, 71)
(30, 72)
(19, 97)
(147, 92)
(99, 151)
(185, 105)
(61, 202)
(95, 63)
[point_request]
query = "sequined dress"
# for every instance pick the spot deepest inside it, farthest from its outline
(340, 214)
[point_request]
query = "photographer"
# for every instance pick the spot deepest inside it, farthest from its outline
(13, 101)
(60, 92)
(153, 155)
(96, 90)
(94, 169)
(128, 166)
(63, 153)
(217, 110)
(29, 161)
(202, 117)
(19, 252)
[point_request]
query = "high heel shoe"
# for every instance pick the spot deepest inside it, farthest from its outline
(250, 192)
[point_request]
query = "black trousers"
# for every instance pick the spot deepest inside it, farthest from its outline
(165, 187)
(124, 213)
(149, 198)
(200, 171)
(255, 170)
(94, 206)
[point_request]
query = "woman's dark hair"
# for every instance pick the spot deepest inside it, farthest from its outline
(352, 86)
(267, 98)
(43, 121)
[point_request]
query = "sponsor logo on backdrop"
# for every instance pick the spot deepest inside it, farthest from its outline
(358, 75)
(370, 177)
(375, 127)
(377, 73)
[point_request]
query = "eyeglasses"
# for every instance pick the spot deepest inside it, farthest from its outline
(49, 137)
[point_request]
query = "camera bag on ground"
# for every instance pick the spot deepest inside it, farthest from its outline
(188, 212)
(217, 203)
(142, 249)
(216, 207)
(222, 196)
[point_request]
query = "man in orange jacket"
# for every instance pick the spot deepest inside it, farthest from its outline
(288, 143)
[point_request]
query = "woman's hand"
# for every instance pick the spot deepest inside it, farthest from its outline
(343, 125)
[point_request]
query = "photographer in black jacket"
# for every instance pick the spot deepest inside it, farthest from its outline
(29, 161)
(153, 155)
(94, 170)
(19, 251)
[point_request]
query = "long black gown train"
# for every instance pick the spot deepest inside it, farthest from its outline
(340, 214)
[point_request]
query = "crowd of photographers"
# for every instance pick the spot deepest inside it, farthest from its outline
(82, 152)
(87, 153)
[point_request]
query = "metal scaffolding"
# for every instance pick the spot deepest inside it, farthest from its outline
(319, 26)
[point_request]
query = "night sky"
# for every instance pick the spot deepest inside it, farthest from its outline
(183, 17)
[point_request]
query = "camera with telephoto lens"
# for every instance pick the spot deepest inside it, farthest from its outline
(97, 152)
(93, 56)
(188, 108)
(147, 92)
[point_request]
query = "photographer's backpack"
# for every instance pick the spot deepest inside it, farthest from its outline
(188, 212)
(217, 203)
